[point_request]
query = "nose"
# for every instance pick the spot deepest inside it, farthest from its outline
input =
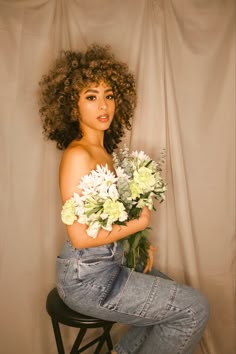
(102, 103)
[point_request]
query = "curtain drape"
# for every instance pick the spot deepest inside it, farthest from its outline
(183, 55)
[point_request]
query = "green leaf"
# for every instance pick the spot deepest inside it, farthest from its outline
(136, 249)
(148, 163)
(126, 245)
(94, 210)
(136, 240)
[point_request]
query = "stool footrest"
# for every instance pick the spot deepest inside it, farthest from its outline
(88, 345)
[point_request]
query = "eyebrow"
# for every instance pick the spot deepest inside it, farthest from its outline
(97, 91)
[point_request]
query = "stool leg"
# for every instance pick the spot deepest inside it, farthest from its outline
(78, 341)
(105, 337)
(57, 333)
(108, 338)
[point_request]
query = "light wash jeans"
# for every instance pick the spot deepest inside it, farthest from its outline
(165, 317)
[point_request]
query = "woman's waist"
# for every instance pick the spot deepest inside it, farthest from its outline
(108, 250)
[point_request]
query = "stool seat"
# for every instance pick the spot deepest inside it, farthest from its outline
(61, 313)
(58, 309)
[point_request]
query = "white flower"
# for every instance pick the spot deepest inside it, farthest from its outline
(105, 174)
(123, 216)
(83, 219)
(108, 226)
(120, 172)
(103, 191)
(104, 216)
(79, 203)
(68, 214)
(93, 229)
(145, 179)
(115, 210)
(113, 192)
(140, 155)
(141, 203)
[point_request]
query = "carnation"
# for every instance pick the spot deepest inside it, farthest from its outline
(68, 214)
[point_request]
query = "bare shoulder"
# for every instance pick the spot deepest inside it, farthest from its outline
(76, 153)
(76, 162)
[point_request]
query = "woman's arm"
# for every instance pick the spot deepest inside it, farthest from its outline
(77, 162)
(80, 239)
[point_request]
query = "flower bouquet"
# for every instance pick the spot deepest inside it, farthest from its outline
(139, 183)
(98, 204)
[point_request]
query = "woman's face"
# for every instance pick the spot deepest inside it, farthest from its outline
(96, 107)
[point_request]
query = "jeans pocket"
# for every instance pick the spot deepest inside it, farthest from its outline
(92, 270)
(95, 266)
(97, 254)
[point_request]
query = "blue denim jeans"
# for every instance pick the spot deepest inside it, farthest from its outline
(164, 317)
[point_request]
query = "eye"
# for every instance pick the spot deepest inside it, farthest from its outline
(91, 98)
(110, 97)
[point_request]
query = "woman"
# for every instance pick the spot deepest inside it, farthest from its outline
(87, 101)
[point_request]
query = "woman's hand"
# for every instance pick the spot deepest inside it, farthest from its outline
(145, 215)
(150, 260)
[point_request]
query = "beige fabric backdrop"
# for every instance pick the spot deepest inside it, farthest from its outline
(183, 54)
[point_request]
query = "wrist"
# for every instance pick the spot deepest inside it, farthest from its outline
(144, 221)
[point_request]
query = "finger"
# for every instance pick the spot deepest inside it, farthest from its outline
(150, 266)
(151, 259)
(152, 248)
(146, 269)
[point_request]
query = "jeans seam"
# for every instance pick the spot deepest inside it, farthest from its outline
(108, 288)
(141, 341)
(65, 270)
(165, 309)
(121, 292)
(143, 312)
(150, 297)
(127, 313)
(190, 332)
(61, 283)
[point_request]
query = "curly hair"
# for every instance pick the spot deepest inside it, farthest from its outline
(60, 91)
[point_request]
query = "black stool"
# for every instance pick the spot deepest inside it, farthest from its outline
(60, 313)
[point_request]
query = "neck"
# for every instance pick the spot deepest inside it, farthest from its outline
(94, 138)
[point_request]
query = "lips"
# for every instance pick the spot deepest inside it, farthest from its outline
(103, 118)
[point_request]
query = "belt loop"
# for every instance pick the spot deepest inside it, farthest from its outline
(114, 247)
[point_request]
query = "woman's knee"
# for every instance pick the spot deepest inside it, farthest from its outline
(202, 309)
(197, 305)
